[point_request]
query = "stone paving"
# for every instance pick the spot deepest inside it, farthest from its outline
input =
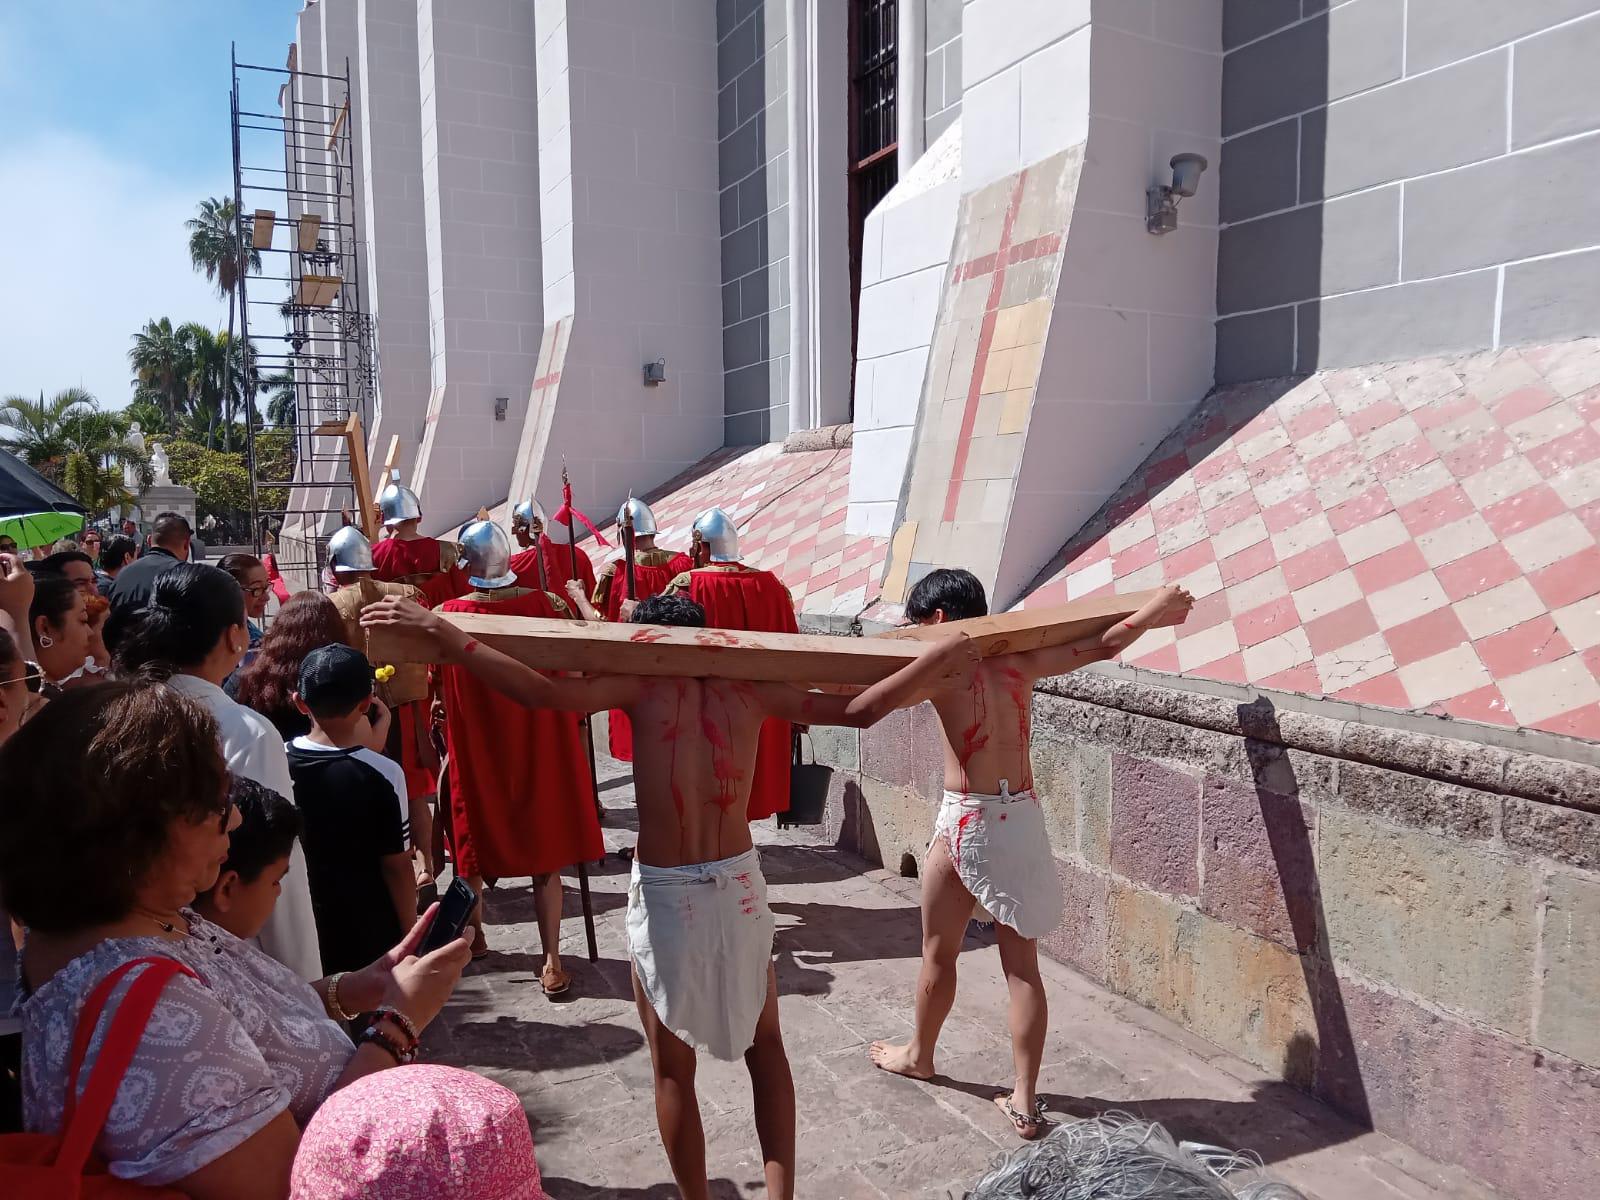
(847, 947)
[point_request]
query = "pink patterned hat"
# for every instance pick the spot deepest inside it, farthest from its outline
(418, 1133)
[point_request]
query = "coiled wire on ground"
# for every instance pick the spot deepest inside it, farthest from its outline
(1115, 1156)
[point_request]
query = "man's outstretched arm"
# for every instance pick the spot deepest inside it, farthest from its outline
(503, 673)
(1169, 606)
(907, 686)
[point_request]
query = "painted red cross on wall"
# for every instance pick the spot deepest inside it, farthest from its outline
(1007, 256)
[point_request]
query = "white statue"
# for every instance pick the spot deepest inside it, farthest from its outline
(158, 463)
(130, 474)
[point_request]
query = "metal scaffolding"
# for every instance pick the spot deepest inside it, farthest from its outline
(294, 190)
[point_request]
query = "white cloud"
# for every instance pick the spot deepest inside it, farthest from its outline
(95, 247)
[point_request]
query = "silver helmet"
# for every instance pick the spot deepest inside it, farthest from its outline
(486, 555)
(644, 521)
(529, 513)
(349, 550)
(398, 502)
(715, 530)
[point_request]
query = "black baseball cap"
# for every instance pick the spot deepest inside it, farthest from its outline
(334, 679)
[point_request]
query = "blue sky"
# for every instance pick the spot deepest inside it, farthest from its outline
(113, 125)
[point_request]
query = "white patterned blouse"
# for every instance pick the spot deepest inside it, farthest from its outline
(220, 1058)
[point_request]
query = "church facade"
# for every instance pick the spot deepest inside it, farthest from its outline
(627, 233)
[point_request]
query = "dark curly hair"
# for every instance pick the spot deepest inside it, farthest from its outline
(670, 610)
(308, 621)
(93, 785)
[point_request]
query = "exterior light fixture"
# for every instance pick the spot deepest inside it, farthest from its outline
(655, 372)
(501, 405)
(1161, 201)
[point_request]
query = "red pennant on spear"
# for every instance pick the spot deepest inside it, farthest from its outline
(566, 513)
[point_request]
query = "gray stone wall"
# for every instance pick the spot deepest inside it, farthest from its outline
(941, 102)
(753, 169)
(1400, 923)
(1398, 180)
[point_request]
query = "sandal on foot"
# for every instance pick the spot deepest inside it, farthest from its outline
(554, 981)
(1026, 1124)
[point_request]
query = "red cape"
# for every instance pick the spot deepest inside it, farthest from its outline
(521, 799)
(557, 567)
(394, 560)
(745, 598)
(648, 581)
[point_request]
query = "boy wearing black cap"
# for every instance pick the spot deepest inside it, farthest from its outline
(353, 800)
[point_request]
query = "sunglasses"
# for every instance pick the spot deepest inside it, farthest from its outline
(32, 678)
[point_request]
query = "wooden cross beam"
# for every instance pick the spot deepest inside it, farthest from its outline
(601, 648)
(1034, 628)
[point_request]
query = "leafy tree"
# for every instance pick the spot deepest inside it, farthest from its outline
(216, 249)
(81, 448)
(280, 395)
(161, 369)
(38, 432)
(149, 415)
(220, 479)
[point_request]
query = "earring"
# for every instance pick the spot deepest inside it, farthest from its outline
(46, 641)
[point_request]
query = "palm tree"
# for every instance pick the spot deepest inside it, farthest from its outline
(37, 432)
(206, 356)
(280, 394)
(215, 248)
(72, 442)
(160, 362)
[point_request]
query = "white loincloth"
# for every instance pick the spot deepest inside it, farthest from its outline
(701, 941)
(1001, 852)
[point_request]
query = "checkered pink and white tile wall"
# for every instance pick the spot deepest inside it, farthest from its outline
(1422, 536)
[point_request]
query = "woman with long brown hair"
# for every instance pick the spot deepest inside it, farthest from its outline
(308, 621)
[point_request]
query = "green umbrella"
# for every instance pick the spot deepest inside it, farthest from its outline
(40, 528)
(33, 510)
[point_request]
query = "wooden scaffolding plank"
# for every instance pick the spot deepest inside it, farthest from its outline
(338, 124)
(318, 291)
(624, 649)
(261, 229)
(390, 456)
(307, 230)
(1033, 628)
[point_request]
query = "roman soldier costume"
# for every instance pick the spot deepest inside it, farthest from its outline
(426, 563)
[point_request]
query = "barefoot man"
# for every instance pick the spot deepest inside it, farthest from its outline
(990, 845)
(699, 929)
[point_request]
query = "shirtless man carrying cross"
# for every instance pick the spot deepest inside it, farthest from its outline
(990, 844)
(699, 929)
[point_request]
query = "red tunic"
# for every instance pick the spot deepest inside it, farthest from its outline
(417, 562)
(521, 800)
(740, 597)
(557, 567)
(648, 581)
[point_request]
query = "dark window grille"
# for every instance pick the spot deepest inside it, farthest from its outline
(874, 129)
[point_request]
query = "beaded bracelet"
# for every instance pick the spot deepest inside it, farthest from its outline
(372, 1034)
(400, 1019)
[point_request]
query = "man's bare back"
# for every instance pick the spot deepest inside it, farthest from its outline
(694, 752)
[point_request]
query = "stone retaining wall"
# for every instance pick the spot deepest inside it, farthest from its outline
(1407, 926)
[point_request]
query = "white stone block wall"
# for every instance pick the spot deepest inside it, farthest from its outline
(389, 110)
(480, 174)
(905, 256)
(632, 263)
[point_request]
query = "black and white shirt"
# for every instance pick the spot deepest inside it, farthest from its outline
(353, 803)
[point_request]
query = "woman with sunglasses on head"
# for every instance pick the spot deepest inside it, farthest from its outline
(126, 782)
(194, 635)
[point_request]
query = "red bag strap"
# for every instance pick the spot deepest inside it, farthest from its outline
(83, 1118)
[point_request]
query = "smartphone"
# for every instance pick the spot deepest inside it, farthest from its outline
(454, 912)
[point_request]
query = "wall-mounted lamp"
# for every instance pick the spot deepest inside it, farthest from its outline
(1161, 201)
(501, 405)
(655, 372)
